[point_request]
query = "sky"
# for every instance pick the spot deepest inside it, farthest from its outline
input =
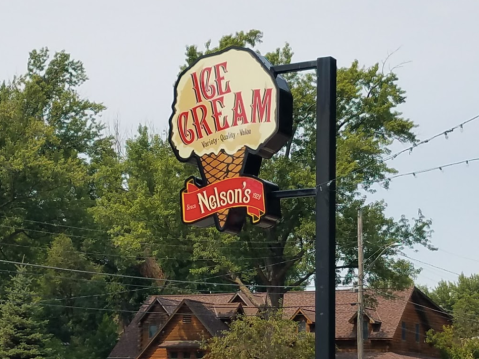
(132, 51)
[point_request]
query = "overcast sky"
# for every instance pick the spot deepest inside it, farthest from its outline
(132, 51)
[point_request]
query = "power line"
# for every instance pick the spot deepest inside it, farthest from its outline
(266, 243)
(415, 173)
(458, 255)
(141, 278)
(431, 265)
(107, 255)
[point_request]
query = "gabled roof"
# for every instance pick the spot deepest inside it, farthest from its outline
(207, 317)
(259, 297)
(307, 313)
(368, 314)
(211, 308)
(127, 345)
(212, 324)
(388, 310)
(228, 310)
(127, 348)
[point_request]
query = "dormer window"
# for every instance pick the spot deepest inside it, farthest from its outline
(152, 329)
(302, 326)
(365, 330)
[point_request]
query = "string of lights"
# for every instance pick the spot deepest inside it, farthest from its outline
(410, 149)
(444, 133)
(440, 168)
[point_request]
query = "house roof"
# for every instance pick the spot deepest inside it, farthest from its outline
(388, 311)
(260, 298)
(127, 348)
(227, 310)
(207, 316)
(308, 314)
(211, 308)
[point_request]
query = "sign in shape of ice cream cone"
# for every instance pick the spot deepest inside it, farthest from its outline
(229, 112)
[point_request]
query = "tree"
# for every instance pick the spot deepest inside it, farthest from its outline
(138, 204)
(51, 147)
(51, 141)
(367, 124)
(462, 299)
(453, 346)
(22, 334)
(256, 337)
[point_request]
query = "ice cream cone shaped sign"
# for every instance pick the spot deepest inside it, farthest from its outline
(230, 111)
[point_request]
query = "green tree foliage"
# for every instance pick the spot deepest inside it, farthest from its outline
(462, 299)
(51, 140)
(68, 199)
(22, 332)
(452, 346)
(368, 122)
(255, 337)
(51, 146)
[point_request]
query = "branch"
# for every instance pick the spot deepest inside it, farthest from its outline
(245, 290)
(290, 263)
(261, 274)
(345, 121)
(351, 265)
(302, 280)
(13, 234)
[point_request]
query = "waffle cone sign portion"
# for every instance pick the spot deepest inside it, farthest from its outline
(229, 112)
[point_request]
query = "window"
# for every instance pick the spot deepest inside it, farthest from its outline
(186, 319)
(302, 326)
(376, 327)
(403, 332)
(199, 355)
(172, 355)
(152, 329)
(417, 333)
(365, 330)
(186, 355)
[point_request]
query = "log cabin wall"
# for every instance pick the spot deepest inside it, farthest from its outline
(157, 316)
(416, 320)
(182, 326)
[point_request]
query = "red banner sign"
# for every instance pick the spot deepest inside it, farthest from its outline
(198, 203)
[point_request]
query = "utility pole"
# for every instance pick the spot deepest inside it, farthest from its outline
(360, 286)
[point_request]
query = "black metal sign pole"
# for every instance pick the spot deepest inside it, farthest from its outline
(325, 208)
(325, 193)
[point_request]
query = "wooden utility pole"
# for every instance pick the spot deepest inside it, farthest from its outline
(360, 286)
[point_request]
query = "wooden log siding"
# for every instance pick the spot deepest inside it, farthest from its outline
(426, 318)
(157, 316)
(177, 330)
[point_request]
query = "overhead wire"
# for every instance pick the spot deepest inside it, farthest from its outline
(137, 277)
(444, 133)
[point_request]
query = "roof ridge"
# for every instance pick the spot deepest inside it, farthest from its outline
(195, 294)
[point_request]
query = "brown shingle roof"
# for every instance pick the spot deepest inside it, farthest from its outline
(207, 316)
(388, 311)
(227, 310)
(209, 308)
(127, 346)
